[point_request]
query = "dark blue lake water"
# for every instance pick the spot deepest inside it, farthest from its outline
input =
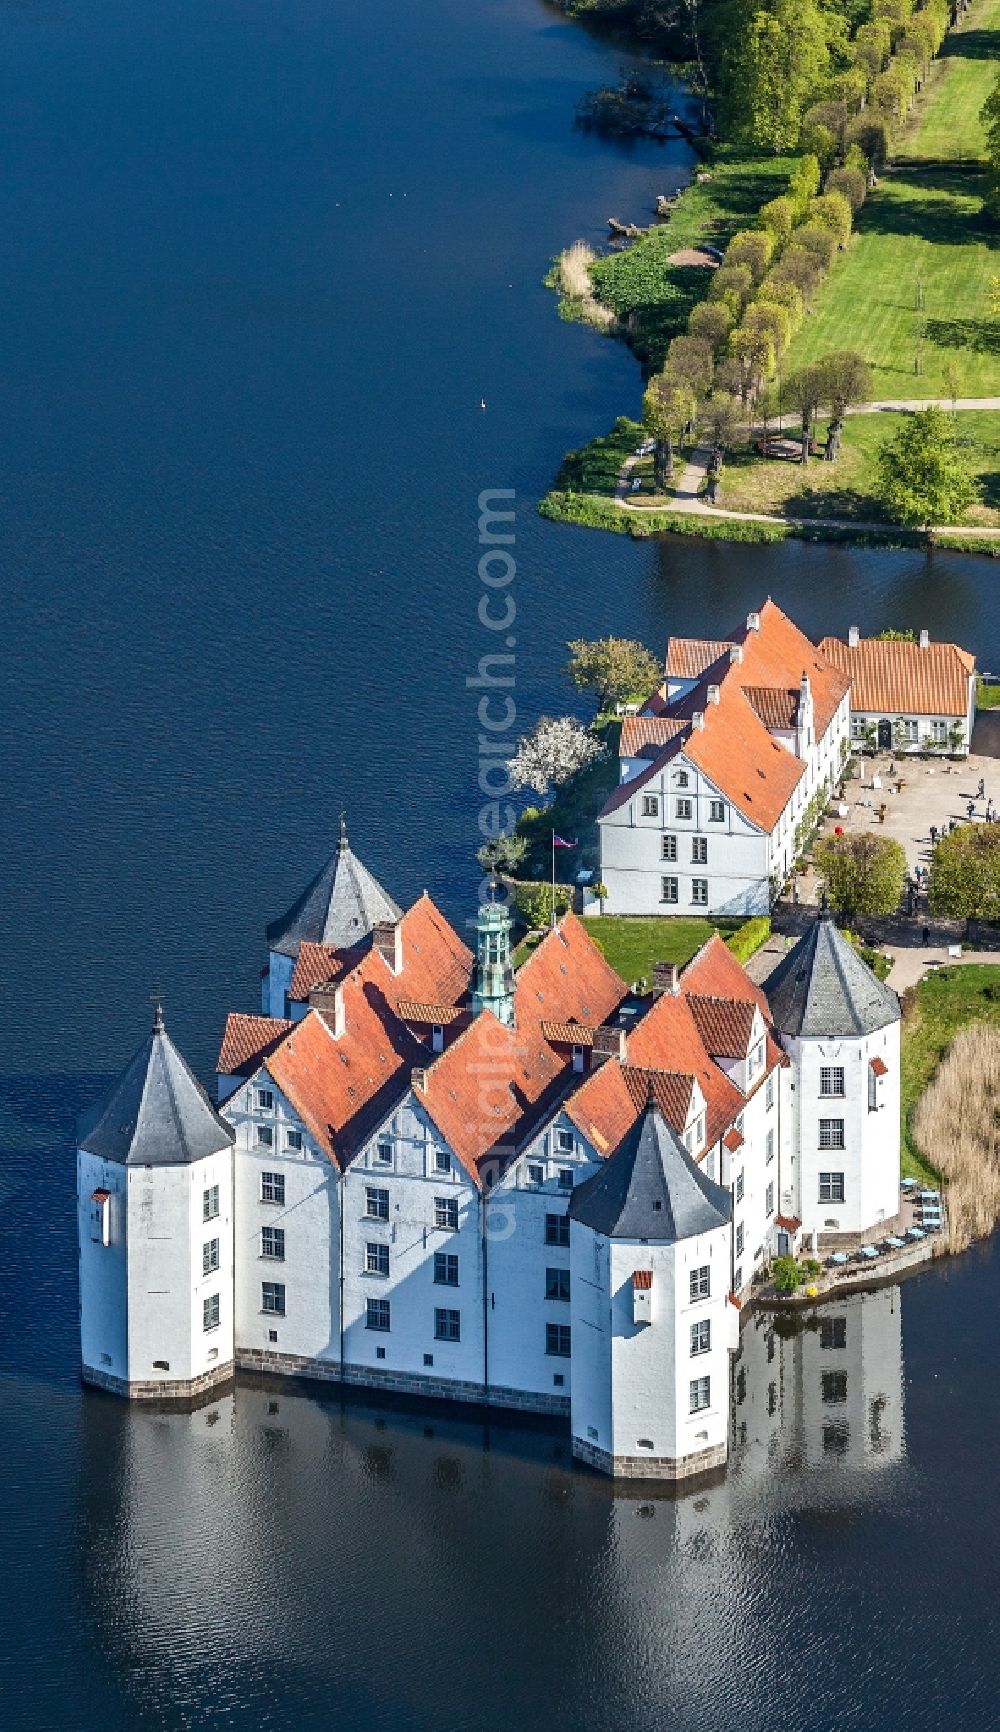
(260, 262)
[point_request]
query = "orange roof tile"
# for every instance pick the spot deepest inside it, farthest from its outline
(441, 1014)
(315, 965)
(607, 1105)
(246, 1040)
(739, 757)
(642, 735)
(668, 1038)
(566, 979)
(777, 706)
(902, 678)
(568, 1033)
(725, 1025)
(715, 973)
(642, 1279)
(688, 657)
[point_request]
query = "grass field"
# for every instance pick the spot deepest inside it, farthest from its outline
(946, 122)
(934, 1011)
(633, 945)
(921, 236)
(841, 489)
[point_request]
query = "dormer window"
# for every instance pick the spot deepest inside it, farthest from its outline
(683, 779)
(265, 1099)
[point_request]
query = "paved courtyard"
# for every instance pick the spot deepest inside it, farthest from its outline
(912, 794)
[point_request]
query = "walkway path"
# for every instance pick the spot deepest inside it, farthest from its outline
(688, 497)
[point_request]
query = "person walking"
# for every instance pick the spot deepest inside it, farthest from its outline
(934, 835)
(982, 789)
(926, 936)
(971, 809)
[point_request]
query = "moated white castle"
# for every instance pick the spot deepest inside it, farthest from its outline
(430, 1174)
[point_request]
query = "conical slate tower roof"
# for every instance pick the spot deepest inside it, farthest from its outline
(338, 909)
(156, 1115)
(823, 988)
(650, 1188)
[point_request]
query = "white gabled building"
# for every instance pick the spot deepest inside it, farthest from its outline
(907, 695)
(720, 769)
(387, 1194)
(155, 1228)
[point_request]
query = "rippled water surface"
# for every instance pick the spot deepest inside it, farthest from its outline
(261, 260)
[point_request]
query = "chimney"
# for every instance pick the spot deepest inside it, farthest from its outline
(387, 937)
(713, 694)
(328, 999)
(608, 1043)
(418, 1078)
(753, 622)
(735, 654)
(925, 640)
(666, 978)
(698, 719)
(853, 637)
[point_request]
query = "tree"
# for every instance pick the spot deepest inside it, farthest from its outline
(818, 240)
(851, 183)
(862, 874)
(773, 319)
(846, 378)
(711, 322)
(667, 407)
(690, 362)
(921, 476)
(614, 668)
(734, 285)
(805, 390)
(772, 63)
(965, 873)
(778, 216)
(799, 267)
(833, 211)
(553, 752)
(753, 248)
(502, 853)
(720, 421)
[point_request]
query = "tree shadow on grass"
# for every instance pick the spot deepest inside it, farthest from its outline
(970, 45)
(834, 502)
(936, 205)
(989, 489)
(980, 335)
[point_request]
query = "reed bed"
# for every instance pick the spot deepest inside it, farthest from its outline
(576, 284)
(956, 1127)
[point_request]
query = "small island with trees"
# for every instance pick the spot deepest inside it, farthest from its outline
(817, 315)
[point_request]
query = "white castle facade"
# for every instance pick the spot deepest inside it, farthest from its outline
(428, 1173)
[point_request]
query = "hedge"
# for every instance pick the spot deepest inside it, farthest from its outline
(749, 937)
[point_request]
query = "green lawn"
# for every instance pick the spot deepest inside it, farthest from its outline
(946, 122)
(632, 945)
(921, 235)
(934, 1011)
(841, 489)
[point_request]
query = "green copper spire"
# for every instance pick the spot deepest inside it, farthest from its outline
(494, 972)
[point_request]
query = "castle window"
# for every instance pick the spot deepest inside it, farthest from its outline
(833, 1388)
(738, 1280)
(668, 847)
(272, 1187)
(739, 1241)
(836, 1437)
(565, 1178)
(383, 1151)
(557, 1340)
(377, 1314)
(272, 1243)
(831, 1079)
(265, 1099)
(668, 890)
(376, 1203)
(446, 1213)
(769, 1146)
(650, 806)
(536, 1174)
(739, 1186)
(209, 1256)
(210, 1203)
(265, 1136)
(557, 1284)
(442, 1161)
(683, 808)
(682, 779)
(447, 1325)
(769, 1199)
(565, 1142)
(445, 1269)
(831, 1133)
(701, 1282)
(293, 1140)
(717, 811)
(831, 1187)
(557, 1229)
(833, 1332)
(272, 1298)
(700, 1389)
(699, 892)
(210, 1312)
(699, 850)
(701, 1337)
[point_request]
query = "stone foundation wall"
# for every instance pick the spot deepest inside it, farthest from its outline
(399, 1382)
(650, 1466)
(159, 1389)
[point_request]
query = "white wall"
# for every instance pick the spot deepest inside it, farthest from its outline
(275, 983)
(870, 1157)
(103, 1274)
(412, 1238)
(166, 1286)
(309, 1218)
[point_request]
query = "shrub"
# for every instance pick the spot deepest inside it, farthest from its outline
(788, 1277)
(534, 902)
(833, 211)
(732, 280)
(749, 937)
(778, 217)
(753, 248)
(850, 183)
(711, 322)
(783, 294)
(804, 184)
(817, 239)
(871, 134)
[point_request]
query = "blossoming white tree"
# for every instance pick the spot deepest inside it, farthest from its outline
(555, 750)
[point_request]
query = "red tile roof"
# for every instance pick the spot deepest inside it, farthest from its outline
(643, 735)
(669, 1038)
(903, 679)
(642, 1279)
(715, 973)
(246, 1040)
(606, 1106)
(315, 965)
(725, 1025)
(777, 706)
(688, 657)
(880, 1067)
(439, 1014)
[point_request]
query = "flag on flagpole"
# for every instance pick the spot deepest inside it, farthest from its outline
(559, 842)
